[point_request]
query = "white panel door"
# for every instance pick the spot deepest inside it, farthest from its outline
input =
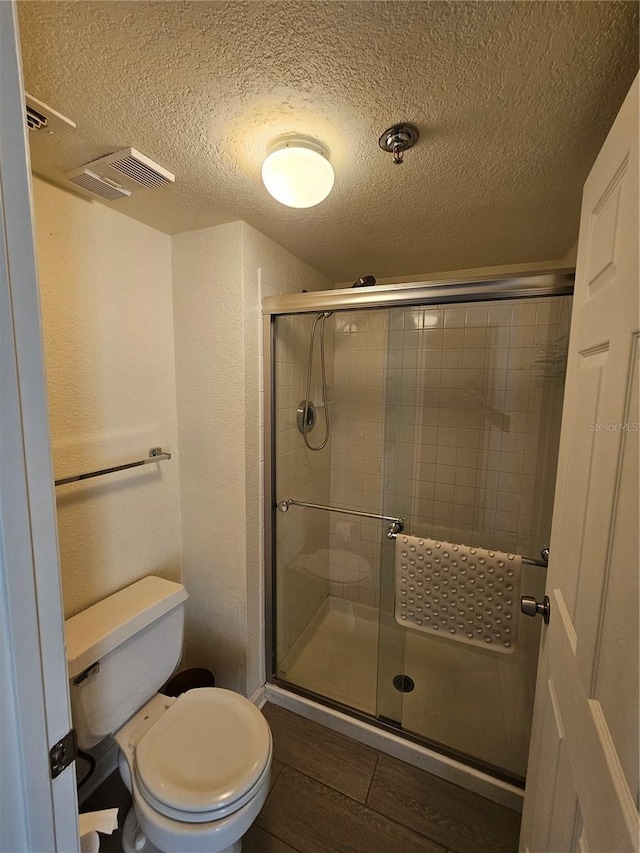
(582, 786)
(35, 700)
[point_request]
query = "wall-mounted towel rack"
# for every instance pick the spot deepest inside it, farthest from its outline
(156, 454)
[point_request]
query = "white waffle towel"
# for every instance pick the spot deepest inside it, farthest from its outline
(462, 593)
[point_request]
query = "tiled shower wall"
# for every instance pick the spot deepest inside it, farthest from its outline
(357, 453)
(461, 406)
(474, 404)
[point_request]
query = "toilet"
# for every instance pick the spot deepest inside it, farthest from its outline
(197, 766)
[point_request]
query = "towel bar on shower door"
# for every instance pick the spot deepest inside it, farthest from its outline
(396, 526)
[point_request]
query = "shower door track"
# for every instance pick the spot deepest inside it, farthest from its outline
(396, 729)
(555, 283)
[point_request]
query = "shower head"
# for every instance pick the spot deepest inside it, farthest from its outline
(365, 281)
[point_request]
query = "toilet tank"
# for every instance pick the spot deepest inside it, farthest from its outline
(120, 652)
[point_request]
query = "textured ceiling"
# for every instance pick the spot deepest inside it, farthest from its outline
(512, 100)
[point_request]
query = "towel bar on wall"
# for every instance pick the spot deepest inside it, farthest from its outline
(156, 454)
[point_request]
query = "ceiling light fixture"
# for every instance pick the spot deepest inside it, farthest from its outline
(297, 172)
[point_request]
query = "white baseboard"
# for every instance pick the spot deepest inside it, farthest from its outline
(259, 697)
(396, 746)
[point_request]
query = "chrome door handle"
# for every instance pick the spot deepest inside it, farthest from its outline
(530, 607)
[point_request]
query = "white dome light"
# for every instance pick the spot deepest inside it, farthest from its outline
(297, 172)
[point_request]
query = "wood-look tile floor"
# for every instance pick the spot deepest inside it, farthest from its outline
(331, 794)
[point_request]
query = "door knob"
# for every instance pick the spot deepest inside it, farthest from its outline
(530, 607)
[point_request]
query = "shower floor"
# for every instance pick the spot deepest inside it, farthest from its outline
(469, 699)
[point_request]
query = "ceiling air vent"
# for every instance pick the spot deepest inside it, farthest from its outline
(93, 183)
(140, 168)
(125, 170)
(41, 116)
(35, 120)
(135, 168)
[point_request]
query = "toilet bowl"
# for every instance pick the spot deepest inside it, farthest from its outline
(197, 766)
(198, 769)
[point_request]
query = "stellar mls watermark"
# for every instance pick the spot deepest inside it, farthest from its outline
(620, 426)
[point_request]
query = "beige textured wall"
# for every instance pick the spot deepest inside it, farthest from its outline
(109, 291)
(105, 285)
(208, 311)
(217, 275)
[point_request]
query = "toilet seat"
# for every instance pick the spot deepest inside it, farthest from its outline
(205, 756)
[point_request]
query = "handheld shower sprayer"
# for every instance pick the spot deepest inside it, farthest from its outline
(306, 409)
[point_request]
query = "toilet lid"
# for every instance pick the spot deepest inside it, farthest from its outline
(205, 751)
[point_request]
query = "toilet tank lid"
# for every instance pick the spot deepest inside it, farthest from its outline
(94, 632)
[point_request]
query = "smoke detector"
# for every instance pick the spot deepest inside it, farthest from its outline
(41, 116)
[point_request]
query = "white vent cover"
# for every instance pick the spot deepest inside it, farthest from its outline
(41, 116)
(139, 168)
(126, 170)
(132, 166)
(93, 183)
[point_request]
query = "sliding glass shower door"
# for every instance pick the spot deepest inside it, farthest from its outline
(445, 416)
(474, 400)
(328, 563)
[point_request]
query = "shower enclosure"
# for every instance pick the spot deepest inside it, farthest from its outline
(444, 402)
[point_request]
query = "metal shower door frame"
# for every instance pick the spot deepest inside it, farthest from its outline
(441, 292)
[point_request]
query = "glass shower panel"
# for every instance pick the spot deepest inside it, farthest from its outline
(328, 564)
(474, 399)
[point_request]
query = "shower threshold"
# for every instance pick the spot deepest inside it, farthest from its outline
(401, 745)
(469, 705)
